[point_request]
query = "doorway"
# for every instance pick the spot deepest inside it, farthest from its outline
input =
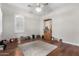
(48, 30)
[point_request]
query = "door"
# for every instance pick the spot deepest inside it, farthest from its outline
(48, 30)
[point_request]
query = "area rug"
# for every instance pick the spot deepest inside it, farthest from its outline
(36, 48)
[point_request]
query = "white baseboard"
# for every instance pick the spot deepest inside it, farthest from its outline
(71, 43)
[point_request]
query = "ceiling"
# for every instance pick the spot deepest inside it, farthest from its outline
(31, 9)
(51, 7)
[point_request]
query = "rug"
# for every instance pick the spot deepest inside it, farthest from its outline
(36, 48)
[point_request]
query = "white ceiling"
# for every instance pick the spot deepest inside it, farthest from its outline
(32, 10)
(51, 7)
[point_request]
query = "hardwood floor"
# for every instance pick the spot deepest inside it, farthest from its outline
(64, 49)
(70, 50)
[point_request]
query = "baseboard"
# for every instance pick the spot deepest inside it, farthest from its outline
(71, 43)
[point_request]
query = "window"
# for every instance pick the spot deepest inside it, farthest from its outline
(19, 24)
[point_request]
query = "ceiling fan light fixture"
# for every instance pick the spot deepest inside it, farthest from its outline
(38, 9)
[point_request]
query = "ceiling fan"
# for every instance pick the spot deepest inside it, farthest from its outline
(38, 6)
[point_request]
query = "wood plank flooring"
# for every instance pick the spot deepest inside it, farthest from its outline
(63, 50)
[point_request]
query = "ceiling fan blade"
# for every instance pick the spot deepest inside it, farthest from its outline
(29, 5)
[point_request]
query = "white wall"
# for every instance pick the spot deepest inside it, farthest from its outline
(65, 23)
(32, 23)
(0, 24)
